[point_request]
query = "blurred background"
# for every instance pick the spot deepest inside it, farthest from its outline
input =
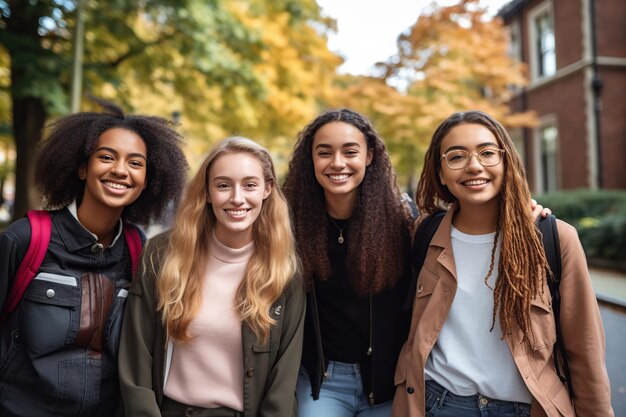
(553, 71)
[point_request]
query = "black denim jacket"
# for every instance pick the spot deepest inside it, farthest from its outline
(58, 349)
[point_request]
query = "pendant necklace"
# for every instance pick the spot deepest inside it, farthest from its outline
(340, 239)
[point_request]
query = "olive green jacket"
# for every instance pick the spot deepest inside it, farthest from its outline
(270, 370)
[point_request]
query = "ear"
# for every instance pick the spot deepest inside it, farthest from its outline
(370, 157)
(269, 186)
(208, 198)
(82, 172)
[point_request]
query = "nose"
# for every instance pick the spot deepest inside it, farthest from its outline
(473, 164)
(119, 169)
(236, 196)
(338, 161)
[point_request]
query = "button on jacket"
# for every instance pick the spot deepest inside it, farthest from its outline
(581, 326)
(58, 349)
(270, 370)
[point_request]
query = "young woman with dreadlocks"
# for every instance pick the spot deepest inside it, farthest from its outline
(352, 231)
(483, 331)
(97, 171)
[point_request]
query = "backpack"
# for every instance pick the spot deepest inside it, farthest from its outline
(547, 226)
(41, 228)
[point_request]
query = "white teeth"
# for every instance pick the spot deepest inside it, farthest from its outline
(339, 177)
(236, 212)
(115, 185)
(475, 182)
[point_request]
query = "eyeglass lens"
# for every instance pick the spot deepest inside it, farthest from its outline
(458, 159)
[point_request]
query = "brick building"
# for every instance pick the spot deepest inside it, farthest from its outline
(575, 51)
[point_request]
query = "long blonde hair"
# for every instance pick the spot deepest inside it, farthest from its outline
(523, 267)
(268, 273)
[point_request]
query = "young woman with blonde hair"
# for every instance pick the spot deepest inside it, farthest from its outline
(482, 331)
(214, 324)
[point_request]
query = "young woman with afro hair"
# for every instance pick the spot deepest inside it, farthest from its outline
(97, 172)
(352, 231)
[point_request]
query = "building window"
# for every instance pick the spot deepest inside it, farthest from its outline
(515, 41)
(548, 147)
(517, 136)
(543, 44)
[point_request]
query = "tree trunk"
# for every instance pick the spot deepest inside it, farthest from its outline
(30, 64)
(29, 117)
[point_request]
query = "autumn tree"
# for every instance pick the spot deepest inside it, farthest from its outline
(453, 58)
(255, 67)
(184, 44)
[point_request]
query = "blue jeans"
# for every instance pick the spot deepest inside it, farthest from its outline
(341, 394)
(442, 403)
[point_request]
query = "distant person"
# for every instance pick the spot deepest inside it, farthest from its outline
(352, 229)
(483, 332)
(214, 322)
(96, 172)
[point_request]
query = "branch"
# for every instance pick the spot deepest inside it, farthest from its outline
(130, 53)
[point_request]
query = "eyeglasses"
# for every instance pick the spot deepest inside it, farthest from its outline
(459, 159)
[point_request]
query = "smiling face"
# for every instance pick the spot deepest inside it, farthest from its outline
(236, 190)
(340, 158)
(115, 173)
(475, 186)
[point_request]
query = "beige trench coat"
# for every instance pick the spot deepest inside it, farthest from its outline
(581, 325)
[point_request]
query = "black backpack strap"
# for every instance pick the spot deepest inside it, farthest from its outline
(423, 235)
(551, 244)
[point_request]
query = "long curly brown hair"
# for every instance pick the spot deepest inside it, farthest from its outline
(379, 225)
(72, 139)
(523, 267)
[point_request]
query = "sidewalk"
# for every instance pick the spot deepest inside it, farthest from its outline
(609, 285)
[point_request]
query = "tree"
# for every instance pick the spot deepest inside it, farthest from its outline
(254, 67)
(452, 59)
(173, 40)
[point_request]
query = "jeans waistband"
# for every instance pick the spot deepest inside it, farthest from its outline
(478, 400)
(335, 367)
(173, 408)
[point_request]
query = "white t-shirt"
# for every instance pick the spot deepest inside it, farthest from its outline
(467, 358)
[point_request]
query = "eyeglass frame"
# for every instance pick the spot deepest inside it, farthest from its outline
(469, 157)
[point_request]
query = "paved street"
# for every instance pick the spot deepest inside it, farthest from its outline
(610, 288)
(614, 320)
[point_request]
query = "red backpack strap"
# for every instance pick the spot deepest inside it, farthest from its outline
(134, 245)
(41, 228)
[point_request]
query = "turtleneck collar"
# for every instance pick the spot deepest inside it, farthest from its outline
(230, 255)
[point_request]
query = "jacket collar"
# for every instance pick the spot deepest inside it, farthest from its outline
(73, 234)
(443, 241)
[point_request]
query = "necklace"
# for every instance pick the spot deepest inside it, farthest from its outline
(340, 239)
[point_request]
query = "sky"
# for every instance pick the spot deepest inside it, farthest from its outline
(368, 29)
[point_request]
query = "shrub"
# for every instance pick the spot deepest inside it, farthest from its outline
(598, 216)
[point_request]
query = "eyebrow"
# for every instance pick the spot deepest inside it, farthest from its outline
(226, 178)
(345, 145)
(463, 148)
(134, 154)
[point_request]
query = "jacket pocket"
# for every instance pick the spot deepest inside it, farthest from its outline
(542, 322)
(49, 314)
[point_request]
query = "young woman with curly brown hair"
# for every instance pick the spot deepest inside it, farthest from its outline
(214, 322)
(352, 231)
(483, 331)
(97, 171)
